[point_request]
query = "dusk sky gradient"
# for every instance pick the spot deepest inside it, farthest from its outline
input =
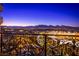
(41, 13)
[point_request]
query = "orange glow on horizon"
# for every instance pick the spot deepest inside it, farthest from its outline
(18, 24)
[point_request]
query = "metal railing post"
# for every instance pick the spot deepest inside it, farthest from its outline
(1, 39)
(45, 44)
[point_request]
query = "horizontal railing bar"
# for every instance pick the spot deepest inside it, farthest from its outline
(41, 34)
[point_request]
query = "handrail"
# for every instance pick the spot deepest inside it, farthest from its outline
(41, 34)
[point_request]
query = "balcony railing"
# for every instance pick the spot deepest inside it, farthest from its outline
(23, 44)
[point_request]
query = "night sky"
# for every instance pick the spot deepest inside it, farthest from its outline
(40, 14)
